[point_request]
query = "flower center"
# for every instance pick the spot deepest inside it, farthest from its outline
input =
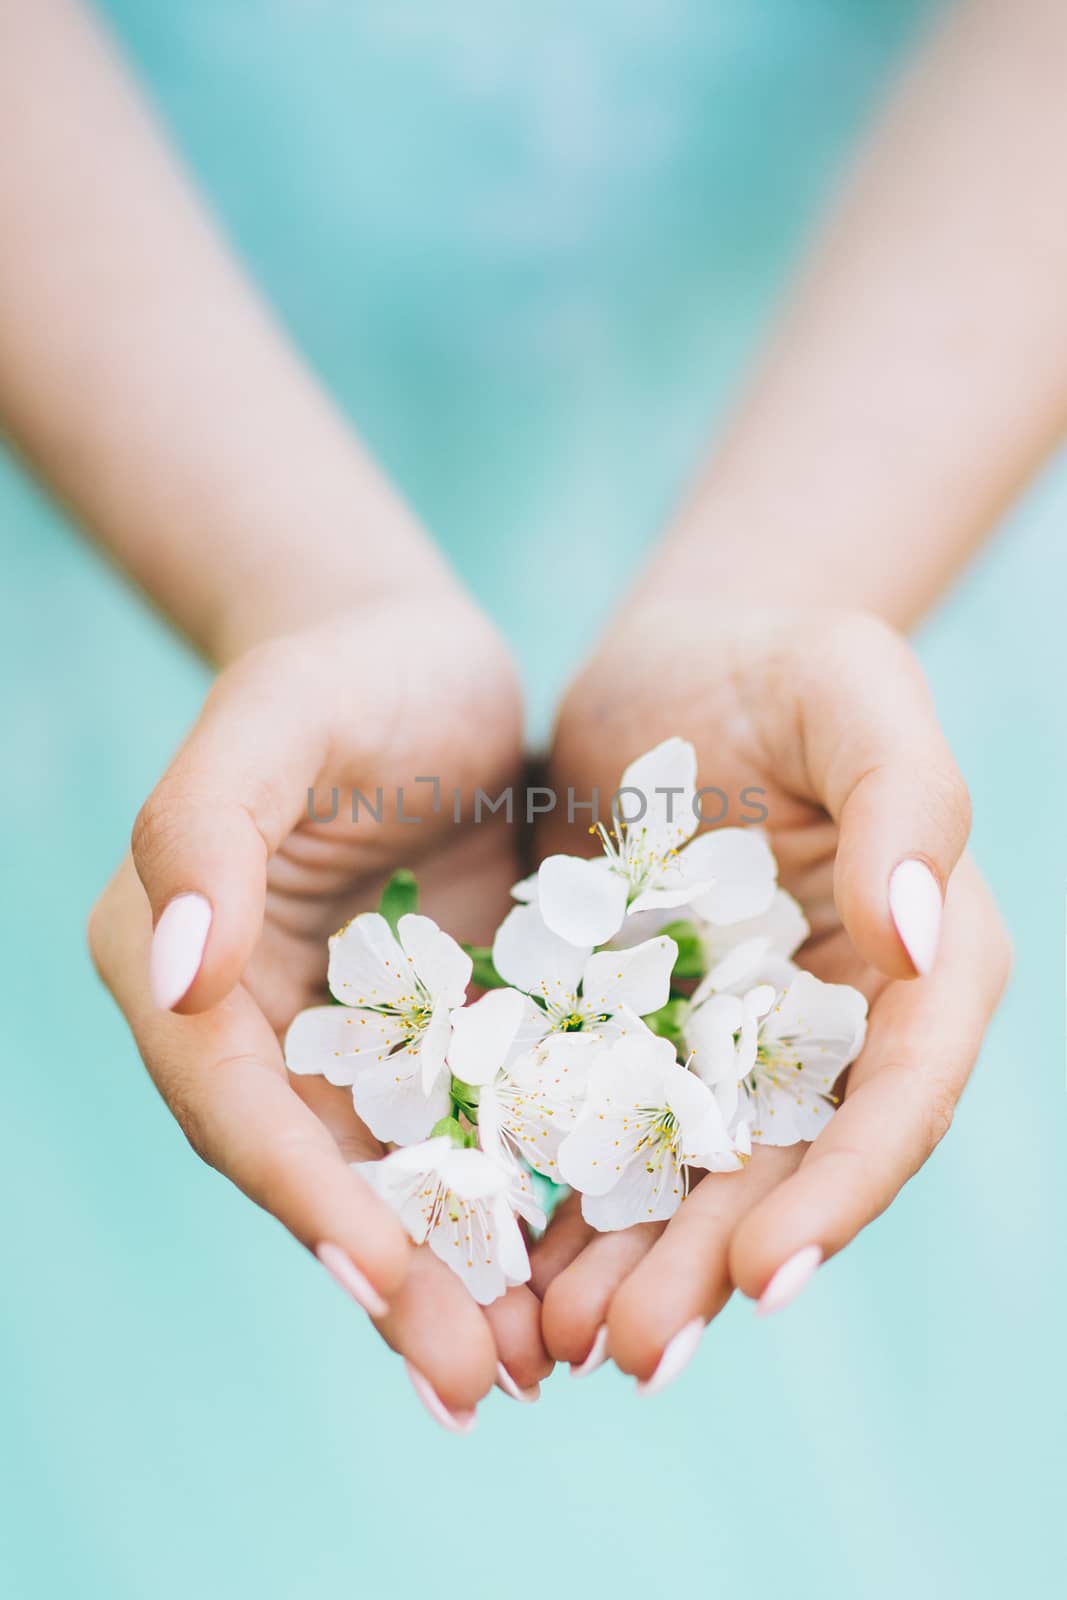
(630, 854)
(573, 1015)
(412, 1011)
(777, 1064)
(659, 1138)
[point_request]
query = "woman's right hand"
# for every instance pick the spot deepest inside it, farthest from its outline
(418, 688)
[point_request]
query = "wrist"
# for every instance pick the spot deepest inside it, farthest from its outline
(317, 582)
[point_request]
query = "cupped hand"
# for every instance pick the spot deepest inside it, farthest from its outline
(369, 701)
(825, 719)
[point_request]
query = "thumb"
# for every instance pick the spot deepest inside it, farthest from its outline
(881, 766)
(203, 838)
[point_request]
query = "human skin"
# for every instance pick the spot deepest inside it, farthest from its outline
(206, 461)
(827, 715)
(918, 381)
(145, 382)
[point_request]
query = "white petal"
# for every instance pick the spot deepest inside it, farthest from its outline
(639, 979)
(459, 1238)
(815, 1030)
(662, 897)
(642, 1194)
(407, 1181)
(510, 1245)
(780, 1118)
(333, 1040)
(537, 1101)
(472, 1174)
(755, 950)
(583, 901)
(488, 1033)
(641, 925)
(442, 966)
(736, 968)
(624, 1075)
(709, 1034)
(526, 889)
(759, 999)
(741, 868)
(415, 1160)
(474, 1230)
(367, 965)
(588, 1157)
(433, 1044)
(824, 1023)
(666, 778)
(783, 925)
(706, 1140)
(527, 954)
(623, 1024)
(389, 1096)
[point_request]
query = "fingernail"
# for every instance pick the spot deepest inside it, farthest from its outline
(178, 948)
(451, 1421)
(597, 1355)
(346, 1274)
(788, 1281)
(506, 1382)
(676, 1356)
(915, 904)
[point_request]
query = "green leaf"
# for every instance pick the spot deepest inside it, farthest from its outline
(449, 1128)
(669, 1021)
(399, 897)
(465, 1099)
(689, 962)
(484, 974)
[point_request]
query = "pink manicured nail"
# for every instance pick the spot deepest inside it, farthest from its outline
(344, 1272)
(788, 1281)
(915, 904)
(178, 948)
(597, 1355)
(676, 1356)
(506, 1382)
(452, 1421)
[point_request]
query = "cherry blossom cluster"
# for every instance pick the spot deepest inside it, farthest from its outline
(643, 1022)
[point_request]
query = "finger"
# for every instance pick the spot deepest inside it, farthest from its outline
(685, 1277)
(440, 1333)
(922, 1044)
(222, 1075)
(516, 1323)
(443, 1334)
(880, 764)
(203, 838)
(566, 1236)
(576, 1302)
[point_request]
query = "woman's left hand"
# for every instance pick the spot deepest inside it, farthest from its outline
(829, 716)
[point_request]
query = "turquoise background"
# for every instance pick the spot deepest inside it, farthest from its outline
(529, 249)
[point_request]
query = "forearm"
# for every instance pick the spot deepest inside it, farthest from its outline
(144, 380)
(920, 377)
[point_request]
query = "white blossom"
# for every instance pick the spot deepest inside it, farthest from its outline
(530, 1082)
(462, 1204)
(772, 1059)
(389, 1037)
(757, 950)
(651, 860)
(645, 1123)
(580, 991)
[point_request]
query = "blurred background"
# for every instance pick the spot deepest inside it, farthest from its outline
(530, 250)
